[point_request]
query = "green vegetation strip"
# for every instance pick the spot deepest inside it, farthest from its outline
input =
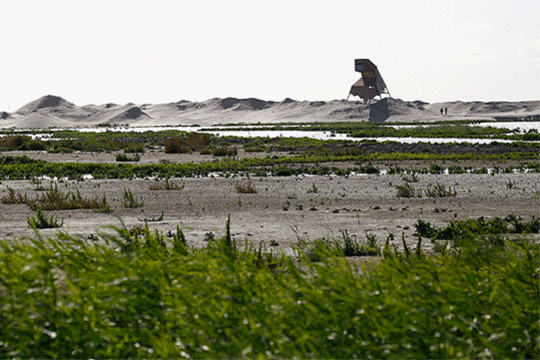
(22, 168)
(459, 129)
(140, 294)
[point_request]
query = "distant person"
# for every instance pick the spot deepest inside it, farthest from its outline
(445, 111)
(441, 111)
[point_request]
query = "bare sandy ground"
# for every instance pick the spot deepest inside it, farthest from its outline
(285, 209)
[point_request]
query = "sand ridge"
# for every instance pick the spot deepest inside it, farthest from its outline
(53, 111)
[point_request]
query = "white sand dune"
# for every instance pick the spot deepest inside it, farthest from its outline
(53, 111)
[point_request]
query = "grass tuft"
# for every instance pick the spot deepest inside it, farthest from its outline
(167, 185)
(406, 191)
(43, 222)
(13, 197)
(245, 189)
(440, 191)
(130, 201)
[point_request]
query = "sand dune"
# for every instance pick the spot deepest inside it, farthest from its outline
(54, 111)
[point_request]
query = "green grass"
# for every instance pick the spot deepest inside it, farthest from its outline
(146, 295)
(274, 165)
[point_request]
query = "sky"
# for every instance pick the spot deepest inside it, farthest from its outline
(118, 51)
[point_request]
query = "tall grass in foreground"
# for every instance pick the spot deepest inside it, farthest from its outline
(145, 295)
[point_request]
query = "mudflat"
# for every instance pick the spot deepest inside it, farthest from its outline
(281, 210)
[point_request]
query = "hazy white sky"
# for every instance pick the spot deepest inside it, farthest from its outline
(94, 52)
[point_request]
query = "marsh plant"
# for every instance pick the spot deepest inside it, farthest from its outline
(127, 158)
(412, 178)
(166, 185)
(440, 191)
(13, 197)
(40, 221)
(130, 201)
(248, 188)
(406, 191)
(54, 199)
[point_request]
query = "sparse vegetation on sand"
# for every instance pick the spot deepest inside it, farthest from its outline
(130, 201)
(43, 222)
(166, 185)
(54, 199)
(125, 158)
(142, 294)
(248, 188)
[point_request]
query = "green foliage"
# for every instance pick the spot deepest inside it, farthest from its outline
(137, 148)
(146, 295)
(43, 222)
(129, 200)
(14, 160)
(470, 228)
(124, 157)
